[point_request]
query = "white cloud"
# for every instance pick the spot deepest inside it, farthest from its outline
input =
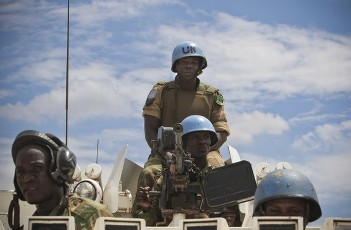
(328, 161)
(5, 93)
(44, 106)
(97, 12)
(329, 175)
(247, 125)
(326, 138)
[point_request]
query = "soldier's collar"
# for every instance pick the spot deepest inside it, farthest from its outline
(175, 82)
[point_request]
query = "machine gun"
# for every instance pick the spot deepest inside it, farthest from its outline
(181, 185)
(179, 164)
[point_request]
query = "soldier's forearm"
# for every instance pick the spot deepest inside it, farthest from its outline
(222, 137)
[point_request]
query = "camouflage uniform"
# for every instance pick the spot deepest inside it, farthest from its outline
(84, 211)
(171, 105)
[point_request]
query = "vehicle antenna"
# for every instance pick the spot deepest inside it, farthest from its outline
(67, 68)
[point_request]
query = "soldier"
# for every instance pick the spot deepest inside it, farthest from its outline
(44, 167)
(231, 215)
(198, 137)
(287, 192)
(169, 103)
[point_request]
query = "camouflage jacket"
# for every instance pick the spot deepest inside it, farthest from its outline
(84, 211)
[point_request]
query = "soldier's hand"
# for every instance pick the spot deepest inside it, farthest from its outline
(166, 155)
(142, 198)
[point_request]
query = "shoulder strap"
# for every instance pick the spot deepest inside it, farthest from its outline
(160, 83)
(219, 100)
(170, 85)
(207, 88)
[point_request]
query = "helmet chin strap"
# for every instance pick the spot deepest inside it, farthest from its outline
(307, 214)
(200, 72)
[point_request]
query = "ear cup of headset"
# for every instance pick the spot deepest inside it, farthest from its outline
(64, 161)
(65, 165)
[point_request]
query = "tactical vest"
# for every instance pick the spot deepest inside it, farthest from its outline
(176, 103)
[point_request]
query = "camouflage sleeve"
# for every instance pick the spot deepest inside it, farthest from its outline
(86, 212)
(152, 105)
(218, 117)
(150, 217)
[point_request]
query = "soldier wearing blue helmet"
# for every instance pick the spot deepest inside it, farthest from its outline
(197, 123)
(287, 192)
(197, 138)
(170, 102)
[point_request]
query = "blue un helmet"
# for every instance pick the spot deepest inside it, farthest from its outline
(285, 183)
(196, 123)
(187, 49)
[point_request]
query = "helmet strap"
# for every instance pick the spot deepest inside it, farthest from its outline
(200, 72)
(307, 214)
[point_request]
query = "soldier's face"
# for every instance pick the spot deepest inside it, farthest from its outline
(230, 218)
(198, 144)
(285, 207)
(32, 175)
(188, 67)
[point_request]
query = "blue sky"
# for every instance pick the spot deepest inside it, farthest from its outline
(283, 68)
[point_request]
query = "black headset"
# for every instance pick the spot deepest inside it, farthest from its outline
(63, 161)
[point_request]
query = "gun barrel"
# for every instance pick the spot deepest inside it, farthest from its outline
(178, 128)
